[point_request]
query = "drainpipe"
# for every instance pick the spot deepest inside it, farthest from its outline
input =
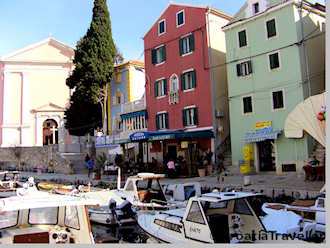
(213, 88)
(304, 48)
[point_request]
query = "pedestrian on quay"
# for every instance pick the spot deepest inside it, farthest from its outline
(90, 166)
(171, 168)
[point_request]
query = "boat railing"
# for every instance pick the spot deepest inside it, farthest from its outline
(156, 201)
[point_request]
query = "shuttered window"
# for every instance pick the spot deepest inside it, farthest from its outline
(278, 100)
(158, 55)
(162, 121)
(160, 88)
(187, 44)
(190, 117)
(188, 80)
(242, 38)
(271, 28)
(244, 69)
(274, 61)
(247, 105)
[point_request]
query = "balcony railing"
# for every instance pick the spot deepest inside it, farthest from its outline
(173, 97)
(133, 106)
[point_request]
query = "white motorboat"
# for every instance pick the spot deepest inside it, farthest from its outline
(42, 217)
(311, 211)
(218, 217)
(9, 182)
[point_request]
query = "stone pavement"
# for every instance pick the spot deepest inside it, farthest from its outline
(270, 184)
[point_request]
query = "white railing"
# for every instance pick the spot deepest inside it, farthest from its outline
(106, 140)
(133, 106)
(173, 97)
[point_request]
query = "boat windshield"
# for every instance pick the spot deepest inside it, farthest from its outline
(8, 219)
(46, 216)
(149, 190)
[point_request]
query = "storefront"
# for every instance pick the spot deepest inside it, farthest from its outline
(178, 145)
(261, 145)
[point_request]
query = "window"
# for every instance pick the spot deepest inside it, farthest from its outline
(244, 69)
(168, 225)
(187, 44)
(8, 219)
(161, 27)
(174, 83)
(256, 8)
(190, 117)
(278, 100)
(71, 217)
(162, 121)
(41, 216)
(118, 76)
(160, 87)
(195, 215)
(274, 61)
(158, 55)
(180, 18)
(242, 38)
(188, 80)
(247, 105)
(271, 28)
(241, 207)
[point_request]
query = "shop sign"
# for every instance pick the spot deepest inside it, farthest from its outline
(263, 124)
(163, 137)
(139, 136)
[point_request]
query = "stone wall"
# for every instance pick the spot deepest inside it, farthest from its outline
(31, 158)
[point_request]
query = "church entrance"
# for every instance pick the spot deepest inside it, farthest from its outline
(50, 132)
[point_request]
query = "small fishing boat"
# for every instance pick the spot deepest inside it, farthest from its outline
(217, 217)
(41, 217)
(311, 211)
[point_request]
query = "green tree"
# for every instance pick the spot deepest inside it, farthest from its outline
(94, 65)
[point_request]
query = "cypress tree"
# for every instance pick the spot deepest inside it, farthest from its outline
(94, 66)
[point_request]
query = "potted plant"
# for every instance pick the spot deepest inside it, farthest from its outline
(100, 162)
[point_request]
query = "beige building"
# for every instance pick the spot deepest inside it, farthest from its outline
(33, 94)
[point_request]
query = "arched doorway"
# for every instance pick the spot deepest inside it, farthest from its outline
(174, 83)
(50, 132)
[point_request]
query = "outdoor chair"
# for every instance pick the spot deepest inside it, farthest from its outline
(320, 173)
(308, 172)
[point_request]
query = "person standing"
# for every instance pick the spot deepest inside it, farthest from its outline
(171, 168)
(90, 166)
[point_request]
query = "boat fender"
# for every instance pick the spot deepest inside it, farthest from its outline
(107, 220)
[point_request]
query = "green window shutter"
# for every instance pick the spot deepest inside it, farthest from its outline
(193, 74)
(250, 66)
(166, 120)
(184, 119)
(238, 69)
(183, 82)
(196, 116)
(153, 56)
(163, 53)
(157, 122)
(165, 86)
(192, 42)
(181, 46)
(156, 89)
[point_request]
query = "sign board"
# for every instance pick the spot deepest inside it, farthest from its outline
(139, 136)
(163, 137)
(248, 152)
(263, 124)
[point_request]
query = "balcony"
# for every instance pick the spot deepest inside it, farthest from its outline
(133, 106)
(173, 97)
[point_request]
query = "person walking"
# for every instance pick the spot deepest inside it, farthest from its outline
(171, 168)
(90, 166)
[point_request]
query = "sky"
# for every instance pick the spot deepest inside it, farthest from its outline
(23, 22)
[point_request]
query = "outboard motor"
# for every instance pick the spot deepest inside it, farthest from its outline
(113, 207)
(126, 208)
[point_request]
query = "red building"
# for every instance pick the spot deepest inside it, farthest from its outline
(186, 83)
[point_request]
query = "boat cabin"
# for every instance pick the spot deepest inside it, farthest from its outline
(144, 190)
(41, 217)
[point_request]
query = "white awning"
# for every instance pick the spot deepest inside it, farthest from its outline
(305, 118)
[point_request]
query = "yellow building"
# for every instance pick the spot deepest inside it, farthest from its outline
(33, 94)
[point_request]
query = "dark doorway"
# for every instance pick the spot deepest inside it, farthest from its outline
(171, 151)
(266, 155)
(50, 132)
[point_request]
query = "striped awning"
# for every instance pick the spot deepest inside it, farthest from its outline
(261, 135)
